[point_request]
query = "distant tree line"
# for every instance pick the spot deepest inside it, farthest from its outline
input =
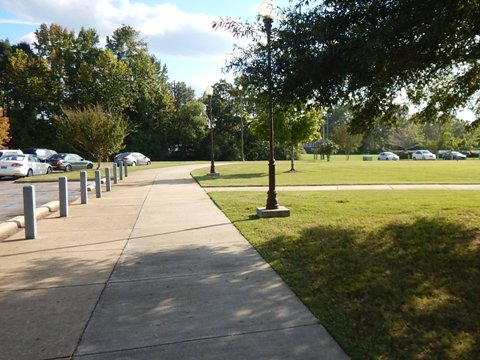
(64, 79)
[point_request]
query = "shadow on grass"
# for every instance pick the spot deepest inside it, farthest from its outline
(404, 291)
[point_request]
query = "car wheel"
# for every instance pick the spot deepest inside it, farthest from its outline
(134, 163)
(68, 168)
(90, 166)
(49, 170)
(29, 172)
(149, 163)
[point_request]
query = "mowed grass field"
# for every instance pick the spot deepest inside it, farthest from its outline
(390, 274)
(339, 171)
(75, 175)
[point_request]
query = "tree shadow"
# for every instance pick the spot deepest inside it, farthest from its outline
(404, 291)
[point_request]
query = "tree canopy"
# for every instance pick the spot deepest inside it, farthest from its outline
(369, 54)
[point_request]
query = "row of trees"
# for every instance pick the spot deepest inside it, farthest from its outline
(450, 134)
(66, 92)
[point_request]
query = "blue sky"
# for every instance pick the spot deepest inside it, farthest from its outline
(178, 32)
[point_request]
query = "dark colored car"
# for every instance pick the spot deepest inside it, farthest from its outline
(453, 155)
(42, 154)
(69, 162)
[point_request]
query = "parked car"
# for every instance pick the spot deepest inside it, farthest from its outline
(20, 165)
(423, 155)
(4, 152)
(42, 154)
(387, 155)
(454, 155)
(132, 158)
(69, 162)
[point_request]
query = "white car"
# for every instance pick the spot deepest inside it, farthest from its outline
(20, 165)
(387, 155)
(423, 155)
(132, 159)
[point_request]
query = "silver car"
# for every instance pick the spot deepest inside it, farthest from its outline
(20, 165)
(423, 155)
(387, 155)
(132, 158)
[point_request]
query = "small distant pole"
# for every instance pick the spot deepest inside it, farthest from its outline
(126, 168)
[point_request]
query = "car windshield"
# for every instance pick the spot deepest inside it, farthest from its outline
(12, 158)
(58, 156)
(123, 154)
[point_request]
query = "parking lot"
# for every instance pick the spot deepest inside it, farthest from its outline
(11, 195)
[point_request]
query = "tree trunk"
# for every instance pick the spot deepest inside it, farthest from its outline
(292, 159)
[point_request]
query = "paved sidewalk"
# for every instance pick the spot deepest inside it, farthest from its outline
(153, 270)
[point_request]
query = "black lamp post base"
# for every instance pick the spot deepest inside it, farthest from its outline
(213, 174)
(281, 211)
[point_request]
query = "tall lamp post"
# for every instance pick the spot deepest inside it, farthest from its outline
(267, 11)
(240, 89)
(209, 93)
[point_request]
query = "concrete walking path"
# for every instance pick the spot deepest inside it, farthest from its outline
(152, 270)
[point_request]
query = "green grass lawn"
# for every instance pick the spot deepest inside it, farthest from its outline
(75, 175)
(390, 274)
(341, 172)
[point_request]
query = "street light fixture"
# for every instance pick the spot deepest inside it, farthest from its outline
(209, 93)
(267, 10)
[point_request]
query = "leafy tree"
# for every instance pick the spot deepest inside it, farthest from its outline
(326, 148)
(367, 54)
(188, 129)
(406, 136)
(301, 127)
(95, 131)
(345, 140)
(4, 129)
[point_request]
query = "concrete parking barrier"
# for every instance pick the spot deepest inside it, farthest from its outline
(98, 184)
(83, 187)
(115, 179)
(63, 195)
(108, 186)
(29, 212)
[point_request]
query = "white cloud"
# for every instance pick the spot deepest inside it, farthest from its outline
(166, 28)
(185, 42)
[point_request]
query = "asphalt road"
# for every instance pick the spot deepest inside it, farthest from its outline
(11, 195)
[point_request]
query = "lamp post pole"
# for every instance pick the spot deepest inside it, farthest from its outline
(209, 93)
(272, 209)
(272, 202)
(240, 88)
